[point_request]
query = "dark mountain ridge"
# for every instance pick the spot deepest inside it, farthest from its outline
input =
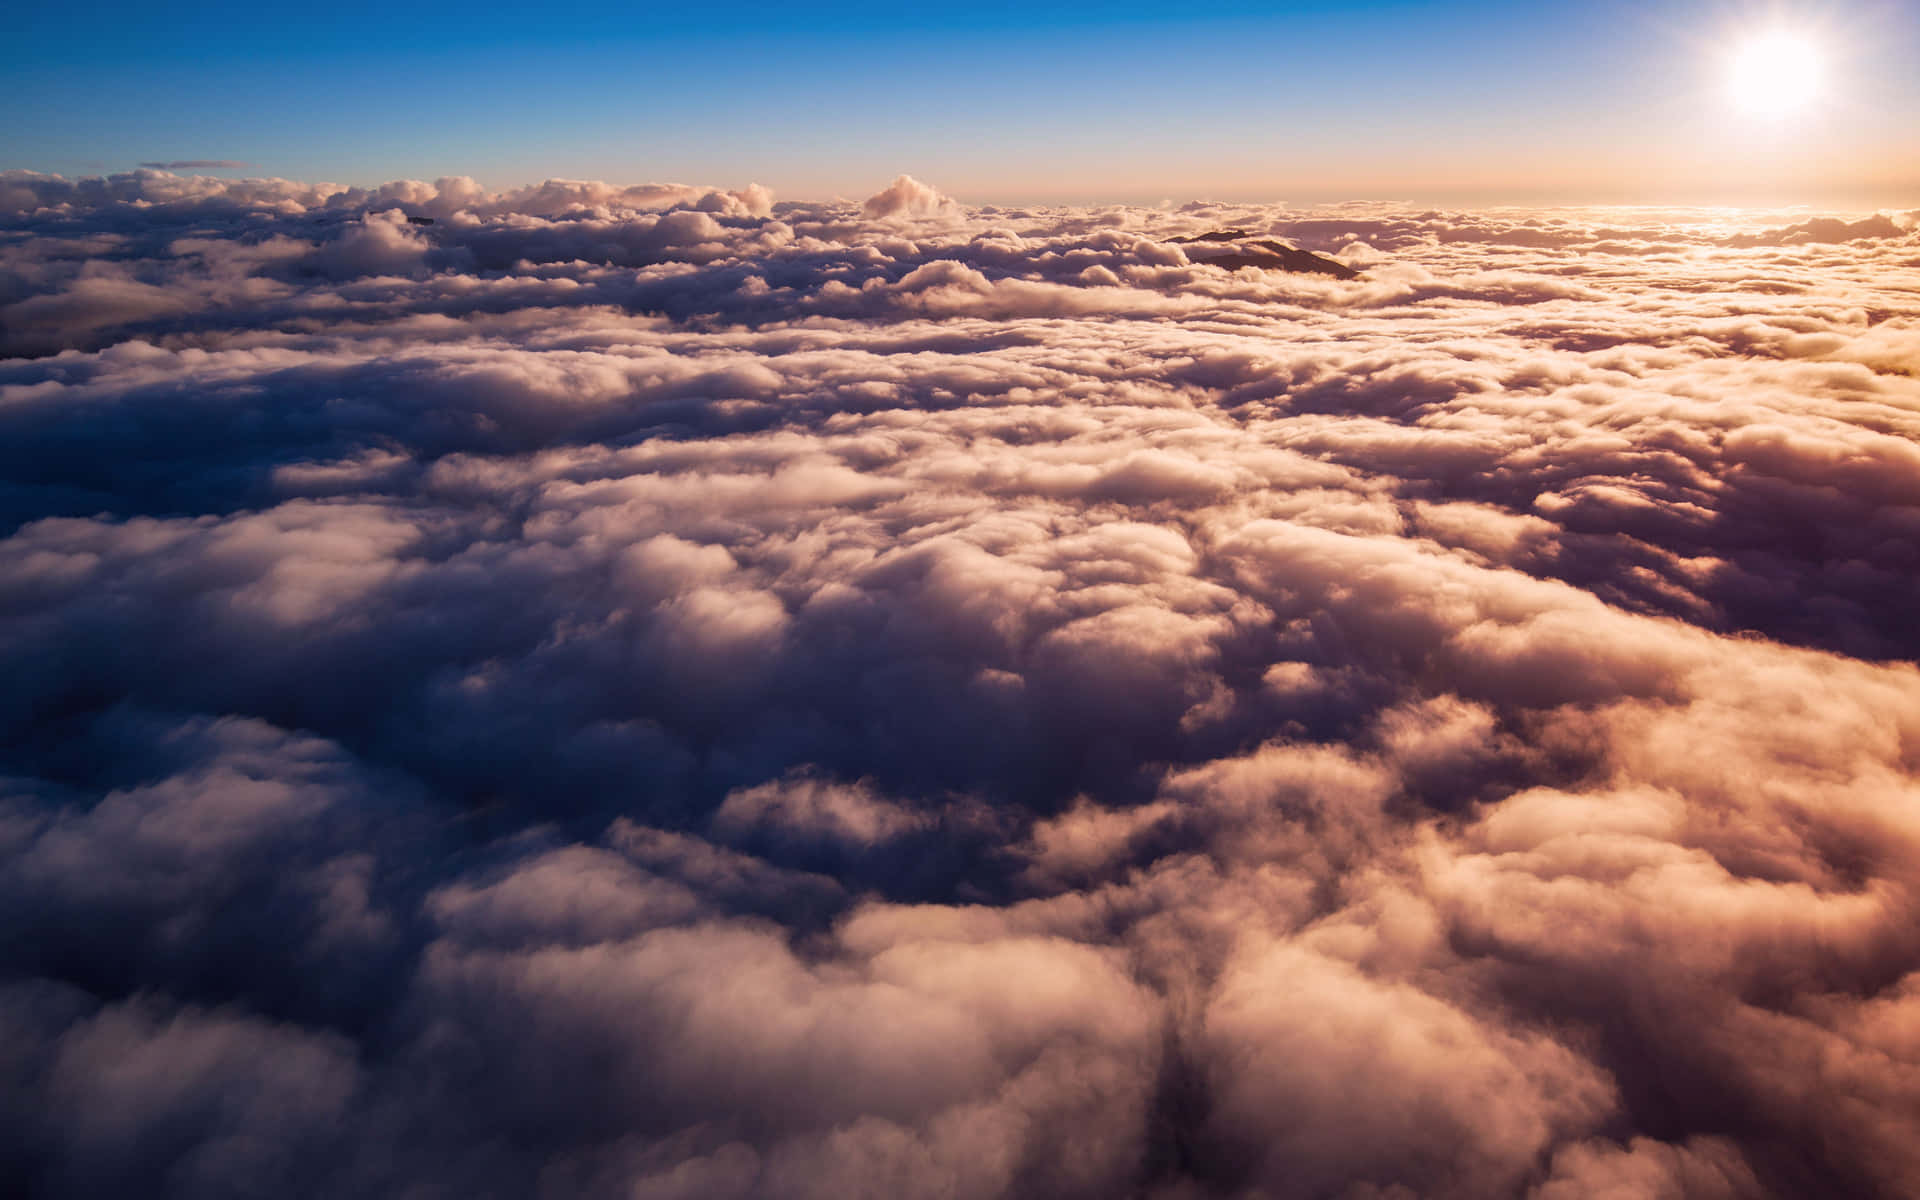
(1265, 253)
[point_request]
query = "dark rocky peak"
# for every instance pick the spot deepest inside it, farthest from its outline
(1218, 235)
(1232, 249)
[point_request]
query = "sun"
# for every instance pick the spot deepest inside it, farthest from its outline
(1775, 74)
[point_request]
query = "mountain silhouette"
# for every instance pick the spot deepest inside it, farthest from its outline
(1243, 250)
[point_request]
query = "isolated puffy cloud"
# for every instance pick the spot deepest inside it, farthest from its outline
(905, 197)
(651, 691)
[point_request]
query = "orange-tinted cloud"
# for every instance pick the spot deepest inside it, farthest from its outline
(653, 691)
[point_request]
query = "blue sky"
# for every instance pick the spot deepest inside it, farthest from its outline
(994, 101)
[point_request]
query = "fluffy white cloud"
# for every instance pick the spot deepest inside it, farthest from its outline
(906, 197)
(647, 691)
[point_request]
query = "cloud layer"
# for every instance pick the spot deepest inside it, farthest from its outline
(657, 692)
(197, 164)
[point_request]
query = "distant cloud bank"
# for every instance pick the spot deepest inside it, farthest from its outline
(658, 691)
(197, 164)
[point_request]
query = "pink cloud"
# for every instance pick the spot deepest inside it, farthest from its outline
(647, 691)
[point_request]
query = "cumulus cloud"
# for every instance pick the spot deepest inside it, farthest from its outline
(905, 197)
(653, 691)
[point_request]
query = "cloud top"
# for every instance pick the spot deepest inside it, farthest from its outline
(905, 197)
(592, 690)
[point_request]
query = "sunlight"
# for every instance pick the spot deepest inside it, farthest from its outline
(1774, 74)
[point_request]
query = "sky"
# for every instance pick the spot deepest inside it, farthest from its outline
(1464, 103)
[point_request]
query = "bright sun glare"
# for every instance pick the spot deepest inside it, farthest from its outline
(1774, 74)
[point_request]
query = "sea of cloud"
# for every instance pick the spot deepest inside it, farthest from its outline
(654, 692)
